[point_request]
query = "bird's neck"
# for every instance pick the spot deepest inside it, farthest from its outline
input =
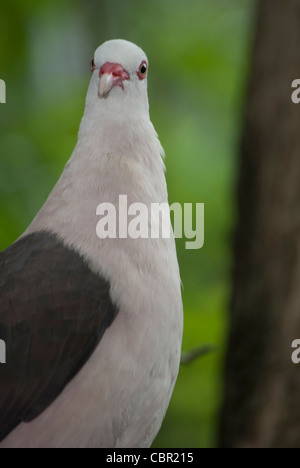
(118, 106)
(113, 157)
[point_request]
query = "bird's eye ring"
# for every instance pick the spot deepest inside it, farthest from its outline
(93, 66)
(142, 73)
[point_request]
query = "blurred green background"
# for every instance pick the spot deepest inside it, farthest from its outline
(199, 54)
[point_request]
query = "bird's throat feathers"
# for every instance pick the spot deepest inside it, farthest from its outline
(113, 127)
(119, 103)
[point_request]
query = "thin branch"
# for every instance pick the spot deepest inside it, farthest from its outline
(191, 356)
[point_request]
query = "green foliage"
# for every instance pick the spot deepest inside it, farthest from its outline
(199, 57)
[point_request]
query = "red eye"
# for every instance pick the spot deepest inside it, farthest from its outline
(142, 73)
(93, 66)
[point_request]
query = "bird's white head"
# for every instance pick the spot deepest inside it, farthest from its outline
(120, 71)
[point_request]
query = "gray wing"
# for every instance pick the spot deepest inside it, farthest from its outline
(53, 312)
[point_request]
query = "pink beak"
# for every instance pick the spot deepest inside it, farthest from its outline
(111, 75)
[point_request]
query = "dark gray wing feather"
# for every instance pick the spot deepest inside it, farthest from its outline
(53, 312)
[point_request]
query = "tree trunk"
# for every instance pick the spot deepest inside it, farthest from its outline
(261, 405)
